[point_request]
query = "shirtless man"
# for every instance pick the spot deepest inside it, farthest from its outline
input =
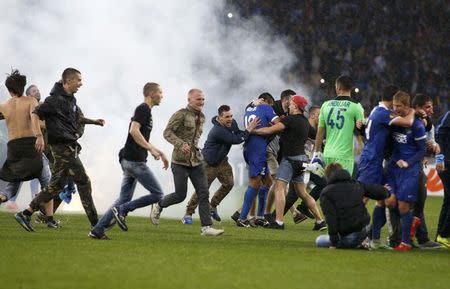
(31, 91)
(25, 140)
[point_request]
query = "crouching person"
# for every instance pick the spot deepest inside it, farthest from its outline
(344, 209)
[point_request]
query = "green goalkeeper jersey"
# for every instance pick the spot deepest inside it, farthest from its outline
(339, 117)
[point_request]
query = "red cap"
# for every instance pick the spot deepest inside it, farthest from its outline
(300, 101)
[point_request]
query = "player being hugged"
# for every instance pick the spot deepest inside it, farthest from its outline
(409, 146)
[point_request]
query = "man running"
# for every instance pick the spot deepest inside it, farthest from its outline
(59, 111)
(133, 158)
(183, 131)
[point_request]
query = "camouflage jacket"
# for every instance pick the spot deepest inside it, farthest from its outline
(185, 126)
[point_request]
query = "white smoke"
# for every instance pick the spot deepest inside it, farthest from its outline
(119, 46)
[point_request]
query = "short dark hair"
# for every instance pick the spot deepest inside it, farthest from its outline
(69, 73)
(266, 96)
(27, 91)
(149, 87)
(15, 82)
(389, 91)
(345, 82)
(286, 93)
(312, 108)
(223, 108)
(420, 99)
(331, 168)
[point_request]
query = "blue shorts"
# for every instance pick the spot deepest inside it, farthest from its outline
(404, 182)
(370, 172)
(286, 172)
(257, 164)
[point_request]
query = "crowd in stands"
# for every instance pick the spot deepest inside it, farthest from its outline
(376, 42)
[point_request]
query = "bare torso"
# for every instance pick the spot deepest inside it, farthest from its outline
(17, 113)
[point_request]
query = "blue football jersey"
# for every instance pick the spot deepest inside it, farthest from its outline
(377, 133)
(408, 142)
(266, 115)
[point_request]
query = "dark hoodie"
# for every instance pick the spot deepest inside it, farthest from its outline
(443, 137)
(342, 204)
(60, 113)
(219, 141)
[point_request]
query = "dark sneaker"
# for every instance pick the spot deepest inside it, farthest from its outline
(269, 217)
(430, 245)
(261, 222)
(320, 226)
(40, 218)
(119, 218)
(243, 223)
(304, 210)
(94, 235)
(215, 215)
(24, 221)
(54, 224)
(299, 217)
(110, 225)
(275, 225)
(235, 216)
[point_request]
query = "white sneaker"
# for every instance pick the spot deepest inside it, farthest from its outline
(210, 231)
(377, 244)
(155, 214)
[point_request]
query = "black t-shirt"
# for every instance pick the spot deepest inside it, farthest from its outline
(294, 135)
(132, 151)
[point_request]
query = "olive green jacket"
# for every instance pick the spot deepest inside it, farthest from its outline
(185, 126)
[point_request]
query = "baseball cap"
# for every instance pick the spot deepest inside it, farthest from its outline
(300, 101)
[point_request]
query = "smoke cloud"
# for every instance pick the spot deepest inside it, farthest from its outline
(119, 46)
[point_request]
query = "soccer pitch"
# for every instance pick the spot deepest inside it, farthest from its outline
(173, 255)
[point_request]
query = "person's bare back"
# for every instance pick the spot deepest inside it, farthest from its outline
(17, 112)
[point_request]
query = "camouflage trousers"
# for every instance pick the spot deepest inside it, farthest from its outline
(67, 164)
(224, 173)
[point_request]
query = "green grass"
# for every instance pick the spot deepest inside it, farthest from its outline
(173, 255)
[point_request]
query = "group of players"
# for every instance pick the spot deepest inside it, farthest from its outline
(282, 141)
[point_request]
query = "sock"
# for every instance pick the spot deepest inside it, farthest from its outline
(262, 197)
(249, 196)
(406, 222)
(49, 218)
(27, 213)
(379, 219)
(279, 222)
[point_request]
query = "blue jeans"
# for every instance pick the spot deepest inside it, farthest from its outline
(133, 172)
(352, 240)
(286, 170)
(12, 189)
